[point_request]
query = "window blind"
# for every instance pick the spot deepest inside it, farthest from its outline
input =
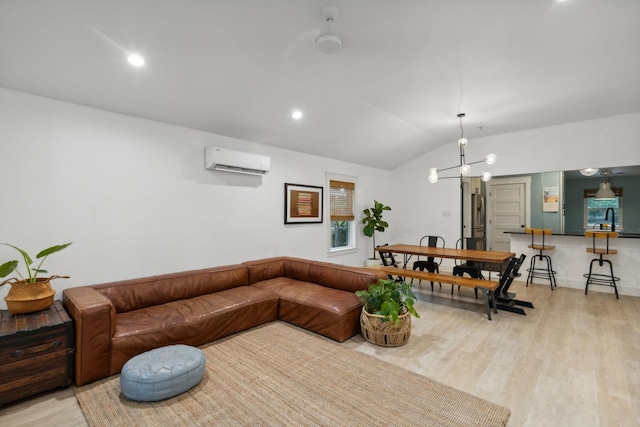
(591, 192)
(341, 200)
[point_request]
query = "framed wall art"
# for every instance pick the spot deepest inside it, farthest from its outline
(550, 199)
(302, 204)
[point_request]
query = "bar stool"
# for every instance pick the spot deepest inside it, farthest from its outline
(546, 273)
(596, 278)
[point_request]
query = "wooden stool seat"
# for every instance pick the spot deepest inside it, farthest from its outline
(602, 251)
(547, 272)
(601, 278)
(542, 247)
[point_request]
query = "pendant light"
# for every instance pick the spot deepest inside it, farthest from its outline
(604, 190)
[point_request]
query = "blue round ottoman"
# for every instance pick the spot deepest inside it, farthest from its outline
(162, 373)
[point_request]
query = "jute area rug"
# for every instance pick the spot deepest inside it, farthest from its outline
(280, 375)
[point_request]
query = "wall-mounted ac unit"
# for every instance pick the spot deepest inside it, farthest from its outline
(236, 161)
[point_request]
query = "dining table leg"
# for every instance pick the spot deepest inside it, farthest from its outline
(486, 301)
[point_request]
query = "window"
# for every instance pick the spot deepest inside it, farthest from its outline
(595, 210)
(341, 195)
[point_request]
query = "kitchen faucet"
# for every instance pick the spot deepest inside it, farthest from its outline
(613, 218)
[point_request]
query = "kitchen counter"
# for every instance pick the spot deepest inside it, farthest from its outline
(621, 234)
(571, 260)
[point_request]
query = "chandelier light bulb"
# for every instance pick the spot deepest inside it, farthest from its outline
(465, 169)
(462, 142)
(486, 176)
(433, 175)
(490, 159)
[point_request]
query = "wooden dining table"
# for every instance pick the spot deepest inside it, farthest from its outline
(498, 260)
(489, 257)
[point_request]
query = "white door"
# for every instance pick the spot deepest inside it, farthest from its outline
(507, 210)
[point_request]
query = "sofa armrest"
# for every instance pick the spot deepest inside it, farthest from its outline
(94, 319)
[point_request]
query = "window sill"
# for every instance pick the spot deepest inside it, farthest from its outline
(342, 251)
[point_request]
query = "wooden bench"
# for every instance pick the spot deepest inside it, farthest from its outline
(487, 287)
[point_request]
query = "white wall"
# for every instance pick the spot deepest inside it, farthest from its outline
(134, 198)
(422, 208)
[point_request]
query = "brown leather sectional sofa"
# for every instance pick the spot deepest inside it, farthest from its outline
(116, 321)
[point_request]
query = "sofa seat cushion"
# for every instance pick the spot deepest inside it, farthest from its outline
(327, 311)
(162, 373)
(193, 321)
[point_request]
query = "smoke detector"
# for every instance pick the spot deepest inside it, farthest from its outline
(328, 42)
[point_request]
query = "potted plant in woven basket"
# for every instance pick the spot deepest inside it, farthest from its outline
(29, 293)
(386, 314)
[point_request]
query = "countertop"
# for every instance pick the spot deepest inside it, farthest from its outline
(621, 234)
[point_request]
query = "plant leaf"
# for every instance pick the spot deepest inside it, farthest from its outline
(52, 250)
(27, 258)
(8, 267)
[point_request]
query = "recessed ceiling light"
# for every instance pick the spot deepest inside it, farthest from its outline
(135, 60)
(297, 114)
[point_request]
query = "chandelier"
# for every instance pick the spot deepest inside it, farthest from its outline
(463, 167)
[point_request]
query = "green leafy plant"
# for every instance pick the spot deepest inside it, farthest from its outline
(31, 275)
(373, 221)
(388, 298)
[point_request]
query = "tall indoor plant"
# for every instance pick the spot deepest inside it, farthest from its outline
(373, 221)
(29, 293)
(386, 315)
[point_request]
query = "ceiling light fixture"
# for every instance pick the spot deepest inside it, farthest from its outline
(297, 114)
(589, 171)
(328, 42)
(463, 167)
(135, 60)
(605, 191)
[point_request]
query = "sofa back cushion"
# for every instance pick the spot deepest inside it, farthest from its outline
(144, 292)
(322, 273)
(265, 269)
(340, 277)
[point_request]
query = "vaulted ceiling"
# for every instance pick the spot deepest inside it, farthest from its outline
(406, 69)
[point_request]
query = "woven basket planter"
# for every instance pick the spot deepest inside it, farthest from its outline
(26, 298)
(379, 331)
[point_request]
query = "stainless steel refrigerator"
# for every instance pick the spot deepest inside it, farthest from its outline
(478, 219)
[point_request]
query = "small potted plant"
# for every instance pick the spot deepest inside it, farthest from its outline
(386, 315)
(373, 222)
(29, 293)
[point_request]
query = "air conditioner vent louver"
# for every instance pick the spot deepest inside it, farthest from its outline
(236, 161)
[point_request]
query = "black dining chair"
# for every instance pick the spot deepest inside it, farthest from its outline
(430, 263)
(472, 268)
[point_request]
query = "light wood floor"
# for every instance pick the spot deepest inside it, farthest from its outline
(574, 360)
